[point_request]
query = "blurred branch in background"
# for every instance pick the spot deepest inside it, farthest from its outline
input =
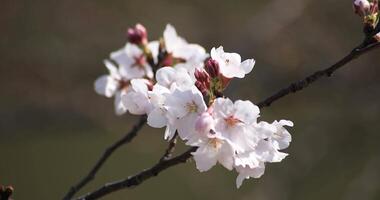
(367, 45)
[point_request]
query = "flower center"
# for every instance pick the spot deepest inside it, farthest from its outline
(192, 107)
(215, 143)
(231, 121)
(140, 61)
(227, 61)
(123, 85)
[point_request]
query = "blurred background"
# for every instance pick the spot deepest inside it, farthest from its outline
(53, 126)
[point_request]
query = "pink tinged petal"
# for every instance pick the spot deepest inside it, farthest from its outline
(133, 50)
(172, 40)
(106, 86)
(247, 65)
(204, 123)
(186, 126)
(223, 107)
(247, 159)
(265, 129)
(205, 158)
(166, 76)
(119, 107)
(246, 111)
(140, 85)
(190, 52)
(278, 156)
(121, 58)
(176, 104)
(246, 173)
(157, 118)
(281, 137)
(268, 153)
(286, 123)
(131, 72)
(154, 48)
(226, 156)
(136, 103)
(113, 70)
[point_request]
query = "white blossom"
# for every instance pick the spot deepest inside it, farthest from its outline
(183, 108)
(132, 61)
(230, 63)
(224, 131)
(171, 78)
(157, 117)
(112, 85)
(191, 56)
(136, 100)
(235, 122)
(211, 150)
(248, 172)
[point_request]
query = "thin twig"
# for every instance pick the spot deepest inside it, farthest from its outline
(106, 154)
(170, 149)
(301, 84)
(137, 179)
(292, 88)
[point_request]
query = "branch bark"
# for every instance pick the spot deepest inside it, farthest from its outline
(327, 72)
(169, 151)
(184, 157)
(106, 154)
(137, 179)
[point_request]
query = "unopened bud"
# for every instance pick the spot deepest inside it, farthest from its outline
(201, 75)
(137, 35)
(362, 7)
(212, 68)
(201, 87)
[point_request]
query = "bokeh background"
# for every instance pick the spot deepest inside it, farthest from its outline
(53, 126)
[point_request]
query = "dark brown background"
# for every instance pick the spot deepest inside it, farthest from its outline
(53, 126)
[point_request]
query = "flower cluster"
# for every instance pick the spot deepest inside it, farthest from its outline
(368, 10)
(179, 86)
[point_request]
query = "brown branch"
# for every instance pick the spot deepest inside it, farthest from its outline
(327, 72)
(164, 164)
(169, 151)
(106, 154)
(137, 179)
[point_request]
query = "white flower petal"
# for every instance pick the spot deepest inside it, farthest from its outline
(156, 118)
(247, 65)
(106, 86)
(205, 158)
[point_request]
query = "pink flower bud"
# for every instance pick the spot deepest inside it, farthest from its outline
(212, 68)
(137, 35)
(364, 7)
(201, 75)
(205, 123)
(201, 87)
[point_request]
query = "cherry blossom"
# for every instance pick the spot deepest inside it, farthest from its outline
(211, 150)
(113, 84)
(234, 121)
(184, 106)
(184, 92)
(136, 100)
(181, 53)
(133, 62)
(230, 63)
